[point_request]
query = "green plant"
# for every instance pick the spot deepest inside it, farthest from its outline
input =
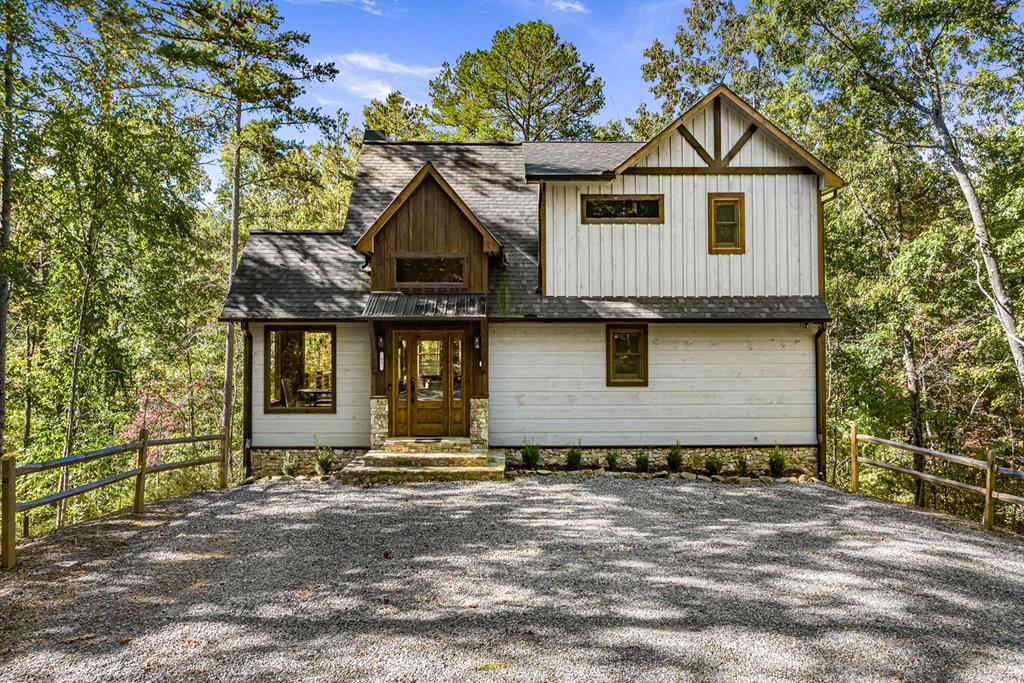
(323, 457)
(290, 464)
(742, 464)
(777, 461)
(573, 458)
(531, 454)
(674, 457)
(643, 461)
(713, 464)
(611, 459)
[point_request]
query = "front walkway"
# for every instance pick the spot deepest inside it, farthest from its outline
(547, 579)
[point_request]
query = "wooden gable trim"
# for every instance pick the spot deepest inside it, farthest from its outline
(831, 179)
(365, 243)
(744, 139)
(697, 147)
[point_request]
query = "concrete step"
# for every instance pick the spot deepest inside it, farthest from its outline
(458, 459)
(361, 472)
(423, 444)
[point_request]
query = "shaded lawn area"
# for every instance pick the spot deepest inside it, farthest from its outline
(545, 579)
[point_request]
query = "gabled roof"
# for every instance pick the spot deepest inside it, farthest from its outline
(553, 160)
(832, 180)
(365, 242)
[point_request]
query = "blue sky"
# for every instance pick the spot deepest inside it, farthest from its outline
(383, 45)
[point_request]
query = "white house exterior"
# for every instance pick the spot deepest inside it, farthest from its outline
(601, 295)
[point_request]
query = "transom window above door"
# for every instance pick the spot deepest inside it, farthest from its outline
(623, 208)
(430, 271)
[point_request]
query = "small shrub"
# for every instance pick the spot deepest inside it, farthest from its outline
(531, 455)
(323, 457)
(643, 461)
(713, 464)
(289, 464)
(742, 464)
(573, 458)
(611, 459)
(675, 457)
(777, 462)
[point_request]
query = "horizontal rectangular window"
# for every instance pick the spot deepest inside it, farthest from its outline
(299, 367)
(623, 208)
(627, 355)
(411, 271)
(725, 223)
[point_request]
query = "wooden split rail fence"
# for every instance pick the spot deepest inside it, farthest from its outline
(989, 491)
(10, 506)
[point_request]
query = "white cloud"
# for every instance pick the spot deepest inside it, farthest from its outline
(568, 6)
(381, 62)
(368, 6)
(367, 88)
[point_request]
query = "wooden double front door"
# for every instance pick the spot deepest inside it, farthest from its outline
(428, 389)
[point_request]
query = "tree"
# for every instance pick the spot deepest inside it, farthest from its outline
(530, 85)
(247, 67)
(642, 126)
(920, 77)
(399, 118)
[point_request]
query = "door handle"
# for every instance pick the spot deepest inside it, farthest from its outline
(412, 390)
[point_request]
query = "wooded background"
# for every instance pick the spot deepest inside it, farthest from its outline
(117, 249)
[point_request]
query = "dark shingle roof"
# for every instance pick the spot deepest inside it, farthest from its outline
(553, 159)
(418, 306)
(318, 276)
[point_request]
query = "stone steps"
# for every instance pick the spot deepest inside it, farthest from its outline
(447, 444)
(378, 467)
(431, 459)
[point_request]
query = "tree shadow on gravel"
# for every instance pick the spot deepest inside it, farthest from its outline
(557, 578)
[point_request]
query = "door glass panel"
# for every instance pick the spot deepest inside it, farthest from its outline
(403, 372)
(429, 370)
(457, 369)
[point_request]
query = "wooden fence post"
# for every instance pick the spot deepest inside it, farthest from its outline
(140, 478)
(10, 505)
(990, 486)
(854, 454)
(222, 467)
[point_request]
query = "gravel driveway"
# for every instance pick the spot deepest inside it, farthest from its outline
(545, 579)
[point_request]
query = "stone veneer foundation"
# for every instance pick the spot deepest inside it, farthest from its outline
(478, 416)
(379, 420)
(799, 459)
(266, 462)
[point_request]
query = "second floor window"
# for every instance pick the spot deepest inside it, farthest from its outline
(430, 272)
(623, 208)
(725, 223)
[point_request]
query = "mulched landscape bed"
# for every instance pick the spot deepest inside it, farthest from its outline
(540, 579)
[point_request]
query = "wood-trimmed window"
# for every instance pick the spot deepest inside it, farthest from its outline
(622, 208)
(299, 367)
(627, 355)
(430, 271)
(726, 231)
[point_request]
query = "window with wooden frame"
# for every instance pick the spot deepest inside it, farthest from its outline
(627, 355)
(622, 208)
(430, 271)
(726, 233)
(299, 369)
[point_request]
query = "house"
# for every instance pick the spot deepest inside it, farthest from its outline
(605, 295)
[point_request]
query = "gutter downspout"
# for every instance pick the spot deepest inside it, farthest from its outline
(819, 374)
(247, 401)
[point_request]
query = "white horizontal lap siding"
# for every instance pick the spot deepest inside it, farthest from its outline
(349, 427)
(708, 384)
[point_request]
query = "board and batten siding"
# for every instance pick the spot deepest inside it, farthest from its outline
(349, 427)
(671, 259)
(709, 385)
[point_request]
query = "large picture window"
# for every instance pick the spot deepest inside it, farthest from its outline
(623, 208)
(725, 223)
(627, 355)
(430, 271)
(299, 366)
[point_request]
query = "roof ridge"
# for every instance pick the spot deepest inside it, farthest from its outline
(271, 231)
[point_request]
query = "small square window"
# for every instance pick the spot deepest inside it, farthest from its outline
(627, 355)
(725, 223)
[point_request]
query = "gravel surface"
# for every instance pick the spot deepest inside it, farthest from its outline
(543, 579)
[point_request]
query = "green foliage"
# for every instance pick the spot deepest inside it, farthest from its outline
(399, 118)
(713, 464)
(643, 461)
(530, 85)
(323, 457)
(777, 462)
(742, 464)
(611, 459)
(674, 459)
(530, 453)
(573, 458)
(290, 464)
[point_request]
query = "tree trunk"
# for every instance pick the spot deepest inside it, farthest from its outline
(6, 176)
(26, 438)
(229, 345)
(914, 397)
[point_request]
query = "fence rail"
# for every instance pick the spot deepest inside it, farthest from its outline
(10, 506)
(988, 466)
